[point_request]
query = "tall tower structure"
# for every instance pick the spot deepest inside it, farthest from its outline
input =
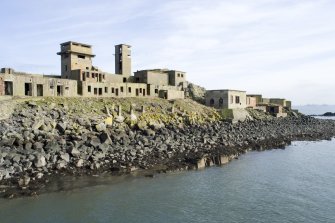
(123, 59)
(75, 56)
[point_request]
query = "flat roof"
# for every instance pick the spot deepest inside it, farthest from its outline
(69, 42)
(226, 90)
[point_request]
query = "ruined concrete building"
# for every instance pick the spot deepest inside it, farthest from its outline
(79, 77)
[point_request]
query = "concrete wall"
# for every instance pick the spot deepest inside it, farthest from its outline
(171, 94)
(278, 101)
(259, 97)
(113, 89)
(152, 77)
(251, 102)
(2, 86)
(226, 99)
(177, 78)
(44, 85)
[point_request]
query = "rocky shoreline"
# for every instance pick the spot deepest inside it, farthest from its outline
(42, 142)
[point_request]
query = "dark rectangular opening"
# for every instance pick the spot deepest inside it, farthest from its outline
(27, 89)
(39, 89)
(156, 91)
(112, 90)
(129, 89)
(148, 89)
(95, 91)
(106, 89)
(143, 92)
(89, 88)
(237, 99)
(81, 57)
(9, 88)
(124, 80)
(121, 89)
(117, 92)
(59, 90)
(136, 91)
(100, 91)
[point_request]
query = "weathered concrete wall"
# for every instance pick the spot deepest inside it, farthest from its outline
(177, 78)
(50, 86)
(259, 97)
(226, 99)
(251, 102)
(114, 89)
(2, 86)
(278, 101)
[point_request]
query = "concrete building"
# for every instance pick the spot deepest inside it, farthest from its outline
(251, 102)
(276, 110)
(258, 97)
(22, 84)
(230, 99)
(79, 77)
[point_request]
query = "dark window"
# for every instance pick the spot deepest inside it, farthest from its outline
(129, 89)
(66, 88)
(87, 74)
(156, 91)
(121, 89)
(89, 88)
(81, 57)
(95, 91)
(106, 89)
(100, 91)
(112, 90)
(211, 102)
(220, 102)
(65, 67)
(141, 90)
(124, 80)
(237, 99)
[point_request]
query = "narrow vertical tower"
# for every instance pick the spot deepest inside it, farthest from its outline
(123, 60)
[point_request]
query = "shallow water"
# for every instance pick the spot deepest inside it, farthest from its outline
(291, 185)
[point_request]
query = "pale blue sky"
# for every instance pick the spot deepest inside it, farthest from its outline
(280, 48)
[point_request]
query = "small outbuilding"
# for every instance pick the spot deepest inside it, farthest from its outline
(230, 99)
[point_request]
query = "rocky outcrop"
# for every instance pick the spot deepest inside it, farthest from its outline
(43, 140)
(196, 93)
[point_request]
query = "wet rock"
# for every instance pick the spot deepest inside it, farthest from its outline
(24, 181)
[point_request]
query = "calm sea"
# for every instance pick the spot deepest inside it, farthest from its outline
(292, 185)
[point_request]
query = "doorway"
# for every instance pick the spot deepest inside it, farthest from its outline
(9, 88)
(39, 89)
(136, 91)
(117, 92)
(59, 90)
(27, 89)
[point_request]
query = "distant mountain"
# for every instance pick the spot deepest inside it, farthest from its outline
(315, 109)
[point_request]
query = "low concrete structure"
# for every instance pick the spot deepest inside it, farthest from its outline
(226, 99)
(251, 102)
(258, 97)
(21, 84)
(276, 110)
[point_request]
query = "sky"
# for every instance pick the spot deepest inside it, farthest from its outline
(278, 48)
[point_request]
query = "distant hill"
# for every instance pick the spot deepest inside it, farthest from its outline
(315, 109)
